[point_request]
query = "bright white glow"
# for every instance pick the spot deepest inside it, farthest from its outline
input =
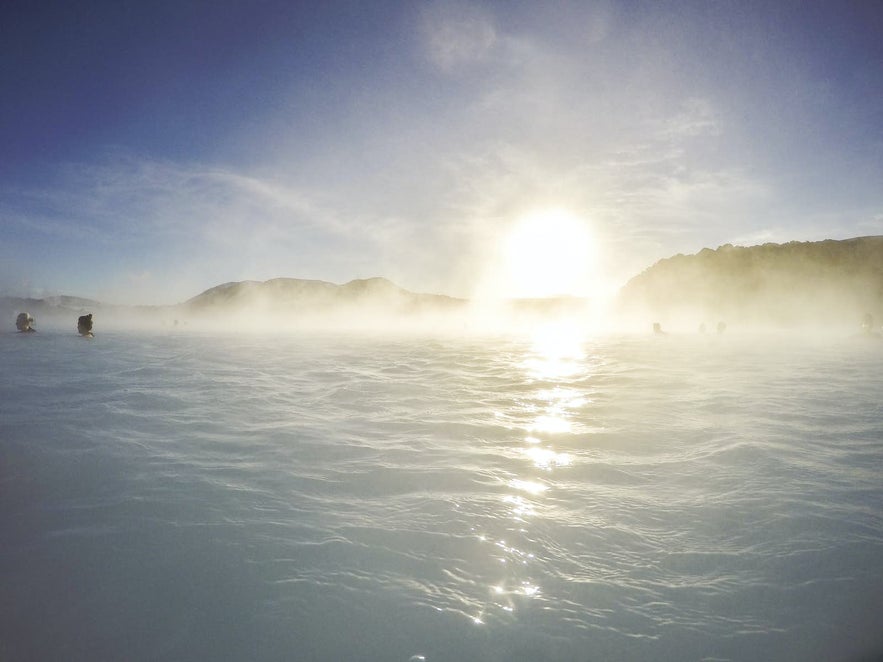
(558, 341)
(550, 424)
(560, 399)
(520, 507)
(527, 486)
(549, 253)
(557, 351)
(544, 458)
(529, 589)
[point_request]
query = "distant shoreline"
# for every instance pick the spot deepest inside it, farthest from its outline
(831, 282)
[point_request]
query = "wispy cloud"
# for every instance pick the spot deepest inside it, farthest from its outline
(133, 199)
(457, 35)
(873, 225)
(196, 218)
(414, 164)
(696, 117)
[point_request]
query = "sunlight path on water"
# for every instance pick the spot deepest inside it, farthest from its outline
(557, 497)
(553, 369)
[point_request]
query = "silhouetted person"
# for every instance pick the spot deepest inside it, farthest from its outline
(657, 329)
(721, 327)
(84, 325)
(24, 323)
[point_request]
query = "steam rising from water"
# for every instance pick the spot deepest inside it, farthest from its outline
(812, 286)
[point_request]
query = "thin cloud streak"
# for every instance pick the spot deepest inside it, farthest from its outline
(457, 35)
(203, 215)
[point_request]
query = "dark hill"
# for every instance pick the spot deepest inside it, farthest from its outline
(820, 282)
(293, 295)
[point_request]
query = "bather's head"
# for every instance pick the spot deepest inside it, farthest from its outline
(24, 322)
(84, 324)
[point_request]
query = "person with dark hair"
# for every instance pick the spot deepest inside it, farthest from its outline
(24, 323)
(84, 325)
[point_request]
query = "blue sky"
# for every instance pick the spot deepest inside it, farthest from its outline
(150, 150)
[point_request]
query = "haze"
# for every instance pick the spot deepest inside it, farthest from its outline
(154, 150)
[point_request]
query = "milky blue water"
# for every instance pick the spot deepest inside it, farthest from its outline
(309, 497)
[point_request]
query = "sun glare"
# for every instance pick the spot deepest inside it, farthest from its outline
(549, 253)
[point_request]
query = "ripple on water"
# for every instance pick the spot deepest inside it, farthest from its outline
(365, 499)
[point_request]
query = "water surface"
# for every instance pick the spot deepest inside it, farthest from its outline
(307, 497)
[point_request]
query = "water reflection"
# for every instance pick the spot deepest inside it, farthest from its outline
(521, 507)
(546, 458)
(556, 352)
(551, 423)
(531, 486)
(553, 367)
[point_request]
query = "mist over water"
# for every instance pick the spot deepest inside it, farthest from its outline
(557, 496)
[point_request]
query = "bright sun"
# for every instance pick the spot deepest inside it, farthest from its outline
(548, 253)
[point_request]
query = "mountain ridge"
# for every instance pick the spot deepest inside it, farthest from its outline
(282, 294)
(791, 283)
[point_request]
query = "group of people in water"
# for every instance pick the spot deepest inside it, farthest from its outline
(721, 327)
(25, 324)
(868, 328)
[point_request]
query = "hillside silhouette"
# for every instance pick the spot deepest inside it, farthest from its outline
(295, 295)
(824, 282)
(820, 283)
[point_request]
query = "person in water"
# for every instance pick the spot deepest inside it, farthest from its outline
(657, 329)
(24, 323)
(84, 325)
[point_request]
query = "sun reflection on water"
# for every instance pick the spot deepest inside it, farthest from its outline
(556, 352)
(521, 507)
(553, 424)
(554, 370)
(531, 486)
(563, 398)
(545, 458)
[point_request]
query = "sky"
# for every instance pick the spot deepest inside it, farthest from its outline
(152, 150)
